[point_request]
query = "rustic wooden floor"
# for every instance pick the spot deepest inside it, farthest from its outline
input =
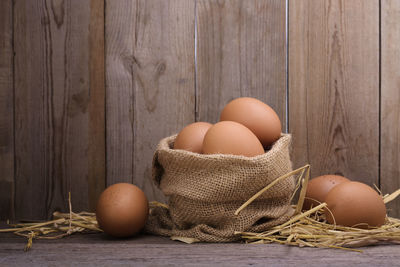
(100, 250)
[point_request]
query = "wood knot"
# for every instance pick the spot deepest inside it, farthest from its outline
(57, 6)
(160, 69)
(80, 103)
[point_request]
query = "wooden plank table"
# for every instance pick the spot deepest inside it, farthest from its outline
(100, 250)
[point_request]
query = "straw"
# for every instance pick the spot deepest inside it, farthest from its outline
(63, 224)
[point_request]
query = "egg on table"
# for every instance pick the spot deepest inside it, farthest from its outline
(260, 118)
(355, 204)
(122, 210)
(229, 137)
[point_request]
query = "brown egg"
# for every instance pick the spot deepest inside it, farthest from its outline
(260, 118)
(122, 210)
(191, 137)
(228, 137)
(318, 188)
(355, 204)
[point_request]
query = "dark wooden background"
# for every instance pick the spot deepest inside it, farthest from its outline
(88, 88)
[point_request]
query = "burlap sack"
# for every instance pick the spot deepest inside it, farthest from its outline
(205, 190)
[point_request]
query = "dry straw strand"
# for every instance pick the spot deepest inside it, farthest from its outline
(259, 193)
(392, 196)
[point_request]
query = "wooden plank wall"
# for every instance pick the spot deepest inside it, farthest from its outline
(59, 106)
(390, 101)
(334, 87)
(151, 94)
(6, 112)
(87, 89)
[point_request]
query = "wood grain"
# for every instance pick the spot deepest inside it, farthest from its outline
(240, 52)
(390, 99)
(98, 250)
(53, 94)
(150, 83)
(6, 112)
(334, 87)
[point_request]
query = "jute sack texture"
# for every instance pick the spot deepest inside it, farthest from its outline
(205, 190)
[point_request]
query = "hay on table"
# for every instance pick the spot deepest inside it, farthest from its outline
(63, 224)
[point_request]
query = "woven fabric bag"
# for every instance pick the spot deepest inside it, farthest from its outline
(204, 192)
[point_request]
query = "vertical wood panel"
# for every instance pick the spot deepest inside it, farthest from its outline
(53, 94)
(334, 86)
(119, 25)
(390, 100)
(6, 113)
(31, 180)
(150, 83)
(241, 52)
(97, 124)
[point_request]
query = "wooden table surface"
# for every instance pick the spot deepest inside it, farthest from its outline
(100, 250)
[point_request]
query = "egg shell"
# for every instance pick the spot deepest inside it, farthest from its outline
(260, 118)
(318, 188)
(228, 137)
(355, 204)
(122, 210)
(191, 137)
